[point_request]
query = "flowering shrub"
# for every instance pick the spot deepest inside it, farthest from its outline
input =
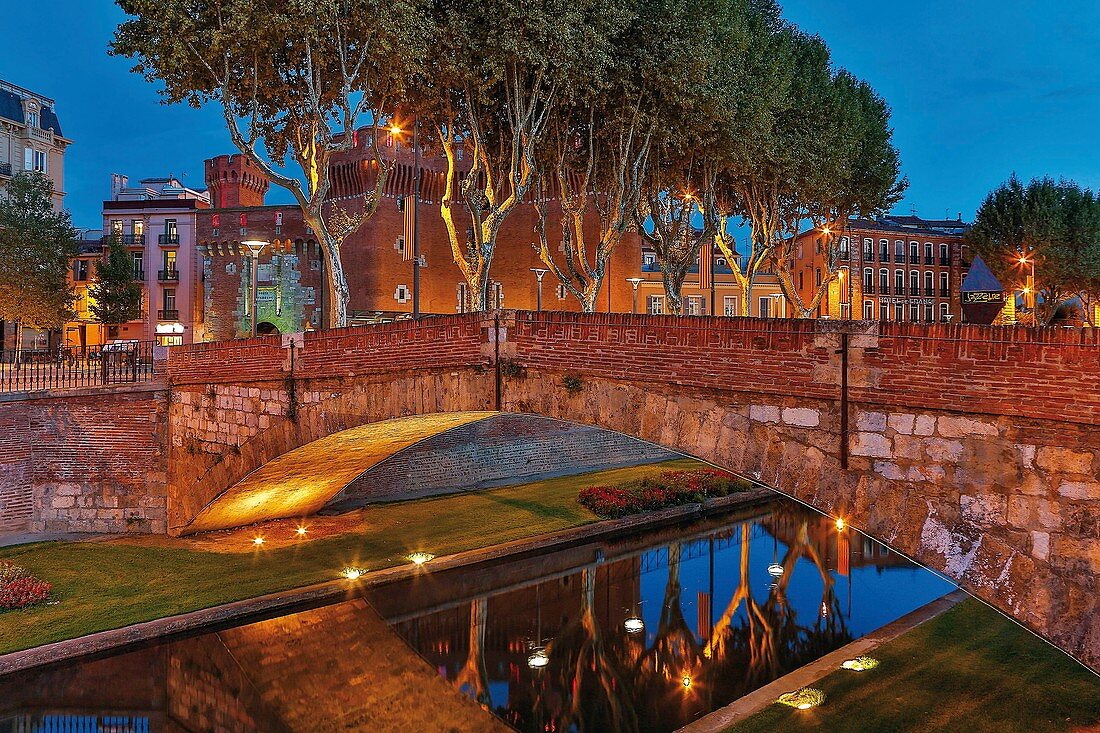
(669, 488)
(18, 588)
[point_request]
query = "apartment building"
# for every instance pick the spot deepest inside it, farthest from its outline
(156, 221)
(31, 138)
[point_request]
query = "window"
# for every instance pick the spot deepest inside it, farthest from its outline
(869, 249)
(914, 312)
(655, 305)
(399, 244)
(945, 282)
(729, 305)
(945, 312)
(817, 277)
(649, 258)
(868, 280)
(884, 280)
(899, 282)
(845, 311)
(497, 295)
(34, 160)
(28, 159)
(899, 312)
(169, 300)
(899, 250)
(139, 265)
(914, 282)
(914, 253)
(945, 255)
(402, 294)
(169, 261)
(562, 292)
(928, 253)
(463, 289)
(766, 307)
(883, 310)
(137, 226)
(169, 340)
(800, 284)
(928, 312)
(928, 284)
(33, 119)
(694, 305)
(80, 270)
(845, 253)
(116, 227)
(884, 250)
(170, 231)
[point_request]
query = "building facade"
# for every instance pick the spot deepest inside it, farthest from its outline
(895, 268)
(31, 138)
(156, 221)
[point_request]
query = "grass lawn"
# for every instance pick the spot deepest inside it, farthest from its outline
(968, 670)
(109, 584)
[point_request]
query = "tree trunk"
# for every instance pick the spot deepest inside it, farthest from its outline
(674, 287)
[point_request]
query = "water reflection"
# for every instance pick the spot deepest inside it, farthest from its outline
(546, 644)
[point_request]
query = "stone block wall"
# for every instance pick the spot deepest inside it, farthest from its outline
(85, 461)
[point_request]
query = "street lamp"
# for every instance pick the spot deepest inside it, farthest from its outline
(396, 130)
(539, 273)
(255, 246)
(634, 283)
(1029, 287)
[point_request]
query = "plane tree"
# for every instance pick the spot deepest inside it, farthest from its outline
(295, 80)
(498, 76)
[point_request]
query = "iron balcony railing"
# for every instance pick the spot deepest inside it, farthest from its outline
(130, 240)
(945, 261)
(169, 275)
(139, 274)
(29, 370)
(168, 315)
(169, 238)
(5, 169)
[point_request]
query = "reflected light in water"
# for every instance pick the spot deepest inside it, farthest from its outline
(633, 625)
(840, 524)
(538, 658)
(775, 570)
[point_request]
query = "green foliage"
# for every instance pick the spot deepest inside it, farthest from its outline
(1053, 224)
(116, 297)
(573, 383)
(36, 247)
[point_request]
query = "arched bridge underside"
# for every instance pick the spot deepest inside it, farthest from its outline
(974, 450)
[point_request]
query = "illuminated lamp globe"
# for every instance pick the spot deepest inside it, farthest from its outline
(634, 625)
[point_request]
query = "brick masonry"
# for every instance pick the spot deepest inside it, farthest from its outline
(498, 451)
(84, 460)
(973, 449)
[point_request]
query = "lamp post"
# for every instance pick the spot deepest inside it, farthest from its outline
(539, 273)
(634, 283)
(396, 130)
(255, 246)
(1030, 296)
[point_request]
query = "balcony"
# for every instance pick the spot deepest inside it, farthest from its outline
(899, 289)
(869, 288)
(169, 239)
(929, 292)
(5, 170)
(929, 260)
(945, 262)
(36, 133)
(945, 292)
(129, 240)
(884, 289)
(139, 274)
(169, 275)
(168, 315)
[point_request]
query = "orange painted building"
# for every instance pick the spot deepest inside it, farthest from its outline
(895, 268)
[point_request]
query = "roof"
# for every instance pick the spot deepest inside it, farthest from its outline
(912, 225)
(11, 107)
(980, 279)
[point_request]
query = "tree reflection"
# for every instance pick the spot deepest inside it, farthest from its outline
(472, 679)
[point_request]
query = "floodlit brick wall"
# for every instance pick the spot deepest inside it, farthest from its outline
(86, 461)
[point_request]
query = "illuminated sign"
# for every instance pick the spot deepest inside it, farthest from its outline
(983, 297)
(163, 328)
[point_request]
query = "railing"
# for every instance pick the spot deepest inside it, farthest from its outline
(169, 238)
(38, 133)
(945, 261)
(929, 292)
(884, 289)
(5, 169)
(168, 315)
(125, 362)
(945, 292)
(130, 240)
(869, 288)
(929, 260)
(139, 274)
(169, 275)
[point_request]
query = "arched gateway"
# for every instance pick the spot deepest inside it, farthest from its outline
(975, 450)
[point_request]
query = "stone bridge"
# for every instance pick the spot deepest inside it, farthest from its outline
(974, 450)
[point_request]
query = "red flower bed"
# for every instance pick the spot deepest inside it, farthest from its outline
(19, 589)
(670, 488)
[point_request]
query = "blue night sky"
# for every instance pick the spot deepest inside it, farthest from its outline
(978, 89)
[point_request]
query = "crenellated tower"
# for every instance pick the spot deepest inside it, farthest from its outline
(235, 181)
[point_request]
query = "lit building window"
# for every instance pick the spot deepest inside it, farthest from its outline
(655, 305)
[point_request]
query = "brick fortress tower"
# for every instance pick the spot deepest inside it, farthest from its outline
(235, 182)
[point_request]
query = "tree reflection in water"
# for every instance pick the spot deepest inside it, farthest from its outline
(604, 679)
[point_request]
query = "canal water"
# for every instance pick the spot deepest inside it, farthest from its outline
(640, 633)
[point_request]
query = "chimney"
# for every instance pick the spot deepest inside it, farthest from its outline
(118, 182)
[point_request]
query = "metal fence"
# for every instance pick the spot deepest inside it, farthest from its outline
(27, 370)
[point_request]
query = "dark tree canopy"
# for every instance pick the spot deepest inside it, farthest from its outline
(36, 246)
(115, 294)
